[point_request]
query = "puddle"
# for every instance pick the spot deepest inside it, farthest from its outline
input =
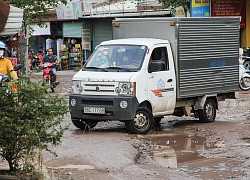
(182, 150)
(178, 148)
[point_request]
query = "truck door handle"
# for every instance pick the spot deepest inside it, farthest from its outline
(170, 80)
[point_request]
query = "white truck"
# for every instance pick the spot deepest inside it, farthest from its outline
(156, 67)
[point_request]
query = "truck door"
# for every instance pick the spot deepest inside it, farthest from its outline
(162, 82)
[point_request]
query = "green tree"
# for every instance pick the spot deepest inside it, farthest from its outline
(176, 3)
(34, 10)
(29, 123)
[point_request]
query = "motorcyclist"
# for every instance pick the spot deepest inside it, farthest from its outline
(6, 67)
(50, 57)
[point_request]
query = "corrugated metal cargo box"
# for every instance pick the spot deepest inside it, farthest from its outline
(206, 50)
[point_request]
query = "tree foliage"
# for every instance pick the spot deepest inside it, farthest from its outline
(176, 3)
(29, 122)
(35, 9)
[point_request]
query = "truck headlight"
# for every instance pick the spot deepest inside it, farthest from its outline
(76, 87)
(125, 88)
(123, 104)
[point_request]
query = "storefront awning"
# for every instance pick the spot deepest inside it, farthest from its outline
(14, 22)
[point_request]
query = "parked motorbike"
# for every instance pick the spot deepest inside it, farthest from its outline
(244, 78)
(246, 57)
(49, 77)
(246, 62)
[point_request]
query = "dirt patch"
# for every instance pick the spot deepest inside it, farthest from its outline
(74, 168)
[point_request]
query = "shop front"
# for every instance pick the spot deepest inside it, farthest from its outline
(71, 49)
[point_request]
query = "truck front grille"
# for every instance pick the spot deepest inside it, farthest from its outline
(102, 88)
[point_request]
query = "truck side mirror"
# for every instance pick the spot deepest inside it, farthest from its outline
(156, 66)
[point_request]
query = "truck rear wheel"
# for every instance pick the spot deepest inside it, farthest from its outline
(84, 125)
(207, 114)
(142, 122)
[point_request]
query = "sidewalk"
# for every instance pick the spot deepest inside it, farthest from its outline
(59, 73)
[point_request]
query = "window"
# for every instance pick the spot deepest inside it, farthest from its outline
(160, 55)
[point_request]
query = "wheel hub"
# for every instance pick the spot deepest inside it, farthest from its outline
(140, 120)
(209, 111)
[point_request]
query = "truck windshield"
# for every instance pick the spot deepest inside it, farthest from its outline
(117, 57)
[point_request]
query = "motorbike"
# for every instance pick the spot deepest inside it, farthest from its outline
(36, 64)
(246, 57)
(244, 78)
(5, 79)
(49, 77)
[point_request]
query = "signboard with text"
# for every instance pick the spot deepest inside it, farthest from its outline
(200, 8)
(86, 39)
(230, 8)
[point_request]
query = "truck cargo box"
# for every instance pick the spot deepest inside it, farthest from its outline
(205, 50)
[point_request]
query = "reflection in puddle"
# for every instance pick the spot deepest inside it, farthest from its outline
(178, 148)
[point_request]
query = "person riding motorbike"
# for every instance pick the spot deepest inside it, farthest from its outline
(50, 57)
(6, 67)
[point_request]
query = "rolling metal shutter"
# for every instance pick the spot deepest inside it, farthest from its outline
(103, 31)
(72, 29)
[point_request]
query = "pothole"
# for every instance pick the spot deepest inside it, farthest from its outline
(177, 148)
(191, 150)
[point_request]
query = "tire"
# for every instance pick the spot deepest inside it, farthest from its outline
(52, 89)
(245, 83)
(207, 114)
(157, 120)
(47, 82)
(142, 122)
(84, 125)
(247, 64)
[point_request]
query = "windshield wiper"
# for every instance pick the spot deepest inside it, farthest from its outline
(118, 68)
(111, 67)
(92, 67)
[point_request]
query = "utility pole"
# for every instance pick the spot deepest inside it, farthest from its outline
(27, 50)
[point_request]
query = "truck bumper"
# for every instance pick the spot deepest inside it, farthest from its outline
(111, 105)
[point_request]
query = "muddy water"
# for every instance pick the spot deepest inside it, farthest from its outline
(179, 148)
(184, 149)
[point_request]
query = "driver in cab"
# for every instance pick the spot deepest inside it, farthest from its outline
(101, 59)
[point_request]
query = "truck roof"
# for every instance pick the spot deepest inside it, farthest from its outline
(136, 41)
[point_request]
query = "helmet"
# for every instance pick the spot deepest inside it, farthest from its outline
(2, 45)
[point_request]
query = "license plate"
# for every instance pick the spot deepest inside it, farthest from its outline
(94, 110)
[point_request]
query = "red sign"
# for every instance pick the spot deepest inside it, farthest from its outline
(230, 8)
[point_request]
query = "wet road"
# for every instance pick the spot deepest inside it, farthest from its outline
(179, 148)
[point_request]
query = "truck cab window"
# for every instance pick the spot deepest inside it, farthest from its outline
(159, 55)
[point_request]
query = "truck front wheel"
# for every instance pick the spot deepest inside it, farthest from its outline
(142, 122)
(84, 125)
(207, 114)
